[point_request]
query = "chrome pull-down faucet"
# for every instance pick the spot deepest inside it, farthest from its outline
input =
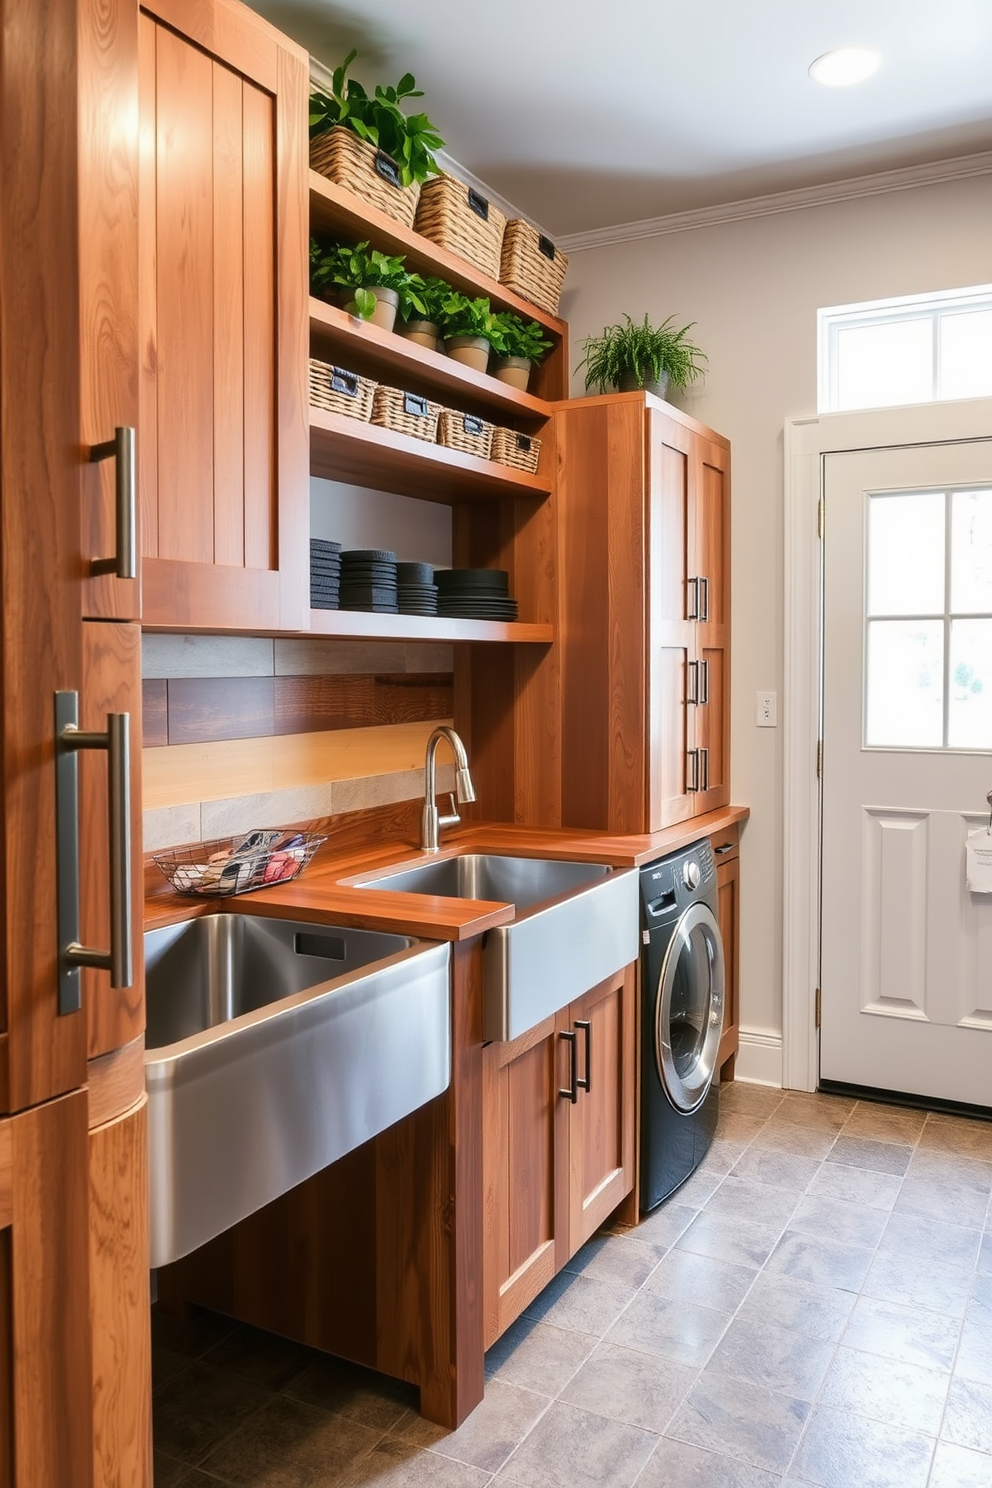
(431, 821)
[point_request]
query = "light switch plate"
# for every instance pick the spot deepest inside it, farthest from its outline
(766, 709)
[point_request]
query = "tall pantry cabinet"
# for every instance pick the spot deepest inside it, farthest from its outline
(74, 1348)
(644, 633)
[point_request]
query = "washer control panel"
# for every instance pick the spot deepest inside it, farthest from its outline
(692, 874)
(668, 885)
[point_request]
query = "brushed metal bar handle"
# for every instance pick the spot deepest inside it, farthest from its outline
(693, 613)
(693, 785)
(725, 848)
(69, 740)
(122, 450)
(571, 1090)
(704, 605)
(586, 1083)
(705, 678)
(693, 696)
(705, 769)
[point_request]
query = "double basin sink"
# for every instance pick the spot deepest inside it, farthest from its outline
(273, 1046)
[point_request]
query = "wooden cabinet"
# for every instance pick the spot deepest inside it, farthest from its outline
(644, 522)
(555, 1168)
(726, 851)
(222, 319)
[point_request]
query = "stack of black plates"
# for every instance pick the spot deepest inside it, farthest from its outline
(416, 588)
(368, 580)
(475, 593)
(325, 574)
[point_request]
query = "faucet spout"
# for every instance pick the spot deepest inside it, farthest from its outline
(432, 822)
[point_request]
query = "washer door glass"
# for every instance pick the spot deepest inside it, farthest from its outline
(689, 1009)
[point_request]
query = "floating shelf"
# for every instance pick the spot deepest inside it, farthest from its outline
(364, 625)
(366, 348)
(344, 449)
(333, 209)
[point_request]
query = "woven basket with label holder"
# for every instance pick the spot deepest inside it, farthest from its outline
(519, 450)
(337, 390)
(456, 217)
(465, 432)
(405, 413)
(531, 265)
(367, 172)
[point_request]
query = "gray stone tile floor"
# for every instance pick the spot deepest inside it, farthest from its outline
(814, 1307)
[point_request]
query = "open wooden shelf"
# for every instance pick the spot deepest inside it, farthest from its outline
(366, 348)
(365, 625)
(344, 449)
(335, 210)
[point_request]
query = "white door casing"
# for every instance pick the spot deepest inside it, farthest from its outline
(807, 443)
(906, 1002)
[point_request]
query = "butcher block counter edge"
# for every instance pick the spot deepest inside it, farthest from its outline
(323, 895)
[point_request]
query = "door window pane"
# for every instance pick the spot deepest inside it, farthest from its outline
(969, 712)
(905, 704)
(882, 365)
(966, 354)
(906, 553)
(971, 552)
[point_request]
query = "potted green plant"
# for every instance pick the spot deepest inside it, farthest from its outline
(524, 343)
(368, 283)
(470, 330)
(641, 357)
(420, 310)
(369, 145)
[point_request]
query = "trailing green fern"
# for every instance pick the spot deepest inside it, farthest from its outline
(641, 353)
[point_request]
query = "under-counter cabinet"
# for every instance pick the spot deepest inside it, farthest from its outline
(223, 448)
(726, 852)
(558, 1143)
(644, 520)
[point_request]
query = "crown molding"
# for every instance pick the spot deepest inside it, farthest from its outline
(903, 179)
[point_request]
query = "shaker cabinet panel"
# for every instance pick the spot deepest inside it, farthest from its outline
(222, 238)
(601, 1132)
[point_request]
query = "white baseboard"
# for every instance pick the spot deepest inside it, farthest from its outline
(759, 1059)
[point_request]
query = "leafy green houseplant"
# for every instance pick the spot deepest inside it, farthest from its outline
(631, 357)
(471, 329)
(524, 343)
(408, 139)
(370, 283)
(420, 310)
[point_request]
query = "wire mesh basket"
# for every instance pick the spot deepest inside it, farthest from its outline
(237, 865)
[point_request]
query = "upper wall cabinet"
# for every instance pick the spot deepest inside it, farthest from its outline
(222, 327)
(645, 532)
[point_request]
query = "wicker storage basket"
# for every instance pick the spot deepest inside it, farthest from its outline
(405, 413)
(519, 450)
(532, 266)
(454, 216)
(466, 432)
(340, 391)
(370, 173)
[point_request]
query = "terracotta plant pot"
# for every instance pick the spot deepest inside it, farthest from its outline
(513, 370)
(471, 351)
(386, 304)
(421, 332)
(635, 384)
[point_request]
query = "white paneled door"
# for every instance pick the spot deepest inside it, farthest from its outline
(906, 948)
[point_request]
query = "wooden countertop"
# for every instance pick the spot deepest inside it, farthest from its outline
(325, 895)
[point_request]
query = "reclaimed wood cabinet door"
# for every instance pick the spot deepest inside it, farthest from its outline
(224, 448)
(601, 1120)
(523, 1136)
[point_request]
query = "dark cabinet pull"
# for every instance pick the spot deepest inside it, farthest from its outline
(693, 783)
(693, 612)
(704, 769)
(571, 1090)
(586, 1083)
(693, 670)
(704, 595)
(704, 677)
(724, 847)
(120, 449)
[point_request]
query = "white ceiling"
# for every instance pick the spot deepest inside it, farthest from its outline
(591, 114)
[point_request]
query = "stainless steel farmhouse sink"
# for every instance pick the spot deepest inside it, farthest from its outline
(273, 1047)
(575, 925)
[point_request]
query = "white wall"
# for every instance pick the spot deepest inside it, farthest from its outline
(754, 287)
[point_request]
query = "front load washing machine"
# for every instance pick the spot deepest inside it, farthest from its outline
(682, 992)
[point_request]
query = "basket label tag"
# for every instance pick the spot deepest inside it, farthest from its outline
(523, 442)
(471, 424)
(478, 204)
(413, 403)
(344, 382)
(387, 168)
(546, 246)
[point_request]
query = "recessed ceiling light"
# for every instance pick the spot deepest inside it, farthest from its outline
(844, 67)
